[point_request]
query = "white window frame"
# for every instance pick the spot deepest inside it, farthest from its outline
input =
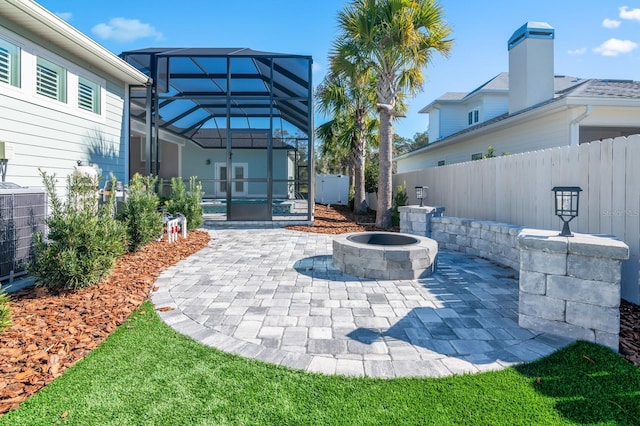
(51, 77)
(13, 63)
(27, 92)
(92, 102)
(143, 149)
(473, 117)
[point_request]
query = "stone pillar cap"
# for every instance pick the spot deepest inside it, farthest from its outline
(595, 245)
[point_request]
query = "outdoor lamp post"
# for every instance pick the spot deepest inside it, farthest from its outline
(421, 193)
(566, 202)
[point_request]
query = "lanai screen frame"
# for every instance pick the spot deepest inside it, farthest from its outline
(286, 91)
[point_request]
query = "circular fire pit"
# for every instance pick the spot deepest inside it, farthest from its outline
(385, 255)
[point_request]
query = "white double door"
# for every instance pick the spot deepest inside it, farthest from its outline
(239, 187)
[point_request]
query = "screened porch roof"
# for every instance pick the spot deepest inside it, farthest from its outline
(198, 88)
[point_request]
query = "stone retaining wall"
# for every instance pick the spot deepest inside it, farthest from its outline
(569, 286)
(489, 240)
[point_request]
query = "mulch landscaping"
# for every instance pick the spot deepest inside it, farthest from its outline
(53, 330)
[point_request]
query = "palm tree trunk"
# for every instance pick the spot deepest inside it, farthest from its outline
(360, 205)
(359, 145)
(383, 214)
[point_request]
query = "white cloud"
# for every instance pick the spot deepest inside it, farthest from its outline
(610, 23)
(580, 51)
(122, 29)
(615, 47)
(64, 15)
(633, 14)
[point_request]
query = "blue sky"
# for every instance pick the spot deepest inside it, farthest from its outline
(594, 38)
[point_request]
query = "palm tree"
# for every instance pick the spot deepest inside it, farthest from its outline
(346, 96)
(334, 154)
(396, 40)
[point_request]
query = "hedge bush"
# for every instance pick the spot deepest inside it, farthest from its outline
(140, 213)
(84, 240)
(400, 198)
(186, 202)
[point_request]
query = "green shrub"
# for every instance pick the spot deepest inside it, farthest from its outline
(140, 213)
(371, 171)
(400, 198)
(84, 240)
(186, 202)
(5, 311)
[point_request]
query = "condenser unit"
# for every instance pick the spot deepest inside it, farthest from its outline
(22, 213)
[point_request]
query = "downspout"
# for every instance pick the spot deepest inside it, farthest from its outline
(575, 125)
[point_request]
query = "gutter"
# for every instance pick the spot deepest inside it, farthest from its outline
(574, 127)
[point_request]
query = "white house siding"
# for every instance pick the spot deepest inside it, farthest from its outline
(453, 118)
(611, 116)
(52, 135)
(493, 106)
(527, 135)
(434, 125)
(194, 163)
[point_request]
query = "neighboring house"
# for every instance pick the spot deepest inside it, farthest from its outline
(63, 97)
(526, 109)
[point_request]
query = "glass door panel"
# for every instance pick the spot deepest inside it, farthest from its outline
(249, 156)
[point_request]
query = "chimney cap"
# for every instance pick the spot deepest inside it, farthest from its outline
(540, 30)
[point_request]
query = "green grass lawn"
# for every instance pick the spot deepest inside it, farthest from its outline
(147, 374)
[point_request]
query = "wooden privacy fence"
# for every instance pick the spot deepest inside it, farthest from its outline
(516, 189)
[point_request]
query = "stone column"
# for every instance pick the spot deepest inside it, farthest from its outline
(417, 220)
(570, 286)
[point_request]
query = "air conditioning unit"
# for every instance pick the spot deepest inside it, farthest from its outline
(23, 212)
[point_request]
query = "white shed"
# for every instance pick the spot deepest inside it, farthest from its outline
(332, 189)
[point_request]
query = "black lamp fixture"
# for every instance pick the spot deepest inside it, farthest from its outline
(421, 194)
(566, 202)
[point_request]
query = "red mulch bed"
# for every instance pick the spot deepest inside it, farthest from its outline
(52, 331)
(339, 219)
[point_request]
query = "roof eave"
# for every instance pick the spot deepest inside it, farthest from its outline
(40, 21)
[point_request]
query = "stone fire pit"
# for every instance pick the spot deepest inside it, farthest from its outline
(385, 255)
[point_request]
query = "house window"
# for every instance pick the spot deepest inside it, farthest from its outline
(9, 63)
(51, 80)
(477, 156)
(473, 117)
(88, 95)
(440, 163)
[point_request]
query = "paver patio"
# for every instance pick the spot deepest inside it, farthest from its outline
(274, 295)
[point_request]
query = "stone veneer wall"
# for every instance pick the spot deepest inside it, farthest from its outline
(489, 240)
(570, 286)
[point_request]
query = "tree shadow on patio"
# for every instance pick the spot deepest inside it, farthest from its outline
(466, 310)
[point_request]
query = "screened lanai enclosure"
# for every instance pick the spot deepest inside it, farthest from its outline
(238, 120)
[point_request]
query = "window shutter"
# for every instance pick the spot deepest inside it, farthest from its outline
(86, 96)
(5, 66)
(47, 82)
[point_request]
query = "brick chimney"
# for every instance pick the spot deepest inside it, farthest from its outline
(530, 65)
